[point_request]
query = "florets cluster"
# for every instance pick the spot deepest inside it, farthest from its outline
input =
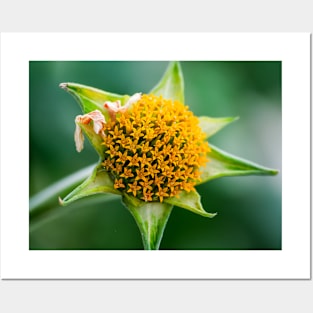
(154, 149)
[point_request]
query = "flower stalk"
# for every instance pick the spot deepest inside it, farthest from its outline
(151, 219)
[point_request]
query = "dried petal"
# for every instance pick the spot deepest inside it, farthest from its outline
(98, 123)
(112, 107)
(133, 99)
(78, 138)
(98, 120)
(115, 107)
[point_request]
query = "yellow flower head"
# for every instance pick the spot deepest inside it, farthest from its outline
(154, 149)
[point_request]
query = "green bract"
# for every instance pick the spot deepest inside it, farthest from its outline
(152, 216)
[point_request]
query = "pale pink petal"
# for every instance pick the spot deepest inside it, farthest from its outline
(112, 107)
(98, 120)
(78, 137)
(133, 99)
(115, 107)
(98, 123)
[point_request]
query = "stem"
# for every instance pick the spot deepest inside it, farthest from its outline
(151, 218)
(44, 206)
(54, 212)
(53, 191)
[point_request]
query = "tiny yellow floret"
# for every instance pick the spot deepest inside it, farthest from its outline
(154, 149)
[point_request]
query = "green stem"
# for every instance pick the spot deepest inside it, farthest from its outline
(151, 218)
(37, 201)
(51, 213)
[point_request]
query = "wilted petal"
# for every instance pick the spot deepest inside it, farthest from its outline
(78, 137)
(115, 107)
(98, 120)
(112, 107)
(98, 123)
(133, 99)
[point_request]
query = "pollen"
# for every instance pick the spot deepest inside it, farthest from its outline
(154, 149)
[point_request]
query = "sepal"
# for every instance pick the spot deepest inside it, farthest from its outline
(190, 201)
(222, 164)
(98, 182)
(171, 85)
(91, 99)
(211, 125)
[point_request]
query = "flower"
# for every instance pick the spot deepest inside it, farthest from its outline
(152, 151)
(176, 147)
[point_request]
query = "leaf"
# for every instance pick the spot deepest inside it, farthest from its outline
(223, 164)
(151, 218)
(90, 98)
(211, 125)
(98, 182)
(171, 85)
(190, 201)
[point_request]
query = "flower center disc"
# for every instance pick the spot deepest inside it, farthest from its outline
(154, 150)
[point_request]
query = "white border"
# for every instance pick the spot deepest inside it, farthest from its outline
(292, 262)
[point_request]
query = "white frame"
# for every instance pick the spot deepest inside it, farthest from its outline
(292, 262)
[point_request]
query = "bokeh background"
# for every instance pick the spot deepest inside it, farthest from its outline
(249, 207)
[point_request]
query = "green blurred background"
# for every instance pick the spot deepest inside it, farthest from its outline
(249, 207)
